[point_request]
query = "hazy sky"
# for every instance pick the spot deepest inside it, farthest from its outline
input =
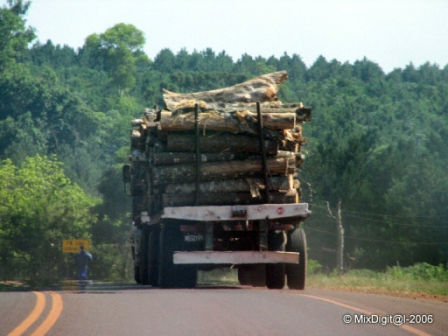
(392, 33)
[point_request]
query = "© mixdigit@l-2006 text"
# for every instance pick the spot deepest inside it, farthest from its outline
(395, 319)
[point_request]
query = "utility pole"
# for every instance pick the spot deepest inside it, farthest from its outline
(340, 239)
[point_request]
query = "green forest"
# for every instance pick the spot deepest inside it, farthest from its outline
(377, 143)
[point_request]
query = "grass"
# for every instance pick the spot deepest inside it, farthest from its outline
(420, 279)
(6, 286)
(219, 276)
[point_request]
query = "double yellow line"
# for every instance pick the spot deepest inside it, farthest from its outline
(50, 320)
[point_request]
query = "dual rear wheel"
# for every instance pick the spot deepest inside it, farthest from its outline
(274, 276)
(296, 273)
(147, 269)
(155, 266)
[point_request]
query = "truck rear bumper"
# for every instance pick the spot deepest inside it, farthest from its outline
(235, 257)
(240, 212)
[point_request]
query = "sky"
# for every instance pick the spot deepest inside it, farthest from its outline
(391, 33)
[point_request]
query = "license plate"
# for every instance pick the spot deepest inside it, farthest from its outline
(193, 238)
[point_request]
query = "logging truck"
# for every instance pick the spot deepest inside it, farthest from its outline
(213, 181)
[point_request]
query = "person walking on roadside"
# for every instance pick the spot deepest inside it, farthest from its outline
(82, 259)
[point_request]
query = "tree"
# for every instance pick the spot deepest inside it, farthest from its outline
(14, 36)
(367, 71)
(49, 54)
(165, 60)
(39, 207)
(117, 50)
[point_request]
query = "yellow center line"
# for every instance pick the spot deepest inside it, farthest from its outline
(32, 317)
(53, 315)
(410, 329)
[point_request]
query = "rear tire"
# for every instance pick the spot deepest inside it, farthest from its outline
(153, 256)
(296, 273)
(275, 273)
(170, 275)
(143, 257)
(257, 275)
(137, 274)
(244, 276)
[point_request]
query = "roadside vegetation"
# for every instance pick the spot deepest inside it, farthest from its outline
(418, 279)
(378, 143)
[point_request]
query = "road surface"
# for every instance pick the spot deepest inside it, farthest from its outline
(233, 310)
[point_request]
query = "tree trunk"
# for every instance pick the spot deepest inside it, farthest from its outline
(303, 113)
(259, 89)
(221, 170)
(340, 238)
(220, 142)
(167, 158)
(252, 185)
(238, 122)
(221, 198)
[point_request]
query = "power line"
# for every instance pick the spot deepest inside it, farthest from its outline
(382, 214)
(377, 240)
(396, 223)
(374, 220)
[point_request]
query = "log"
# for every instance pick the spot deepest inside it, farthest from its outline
(252, 185)
(136, 137)
(167, 158)
(298, 157)
(150, 114)
(238, 122)
(217, 198)
(259, 89)
(220, 142)
(136, 122)
(222, 170)
(302, 113)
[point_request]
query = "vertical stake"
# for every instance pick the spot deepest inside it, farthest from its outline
(198, 153)
(263, 153)
(263, 234)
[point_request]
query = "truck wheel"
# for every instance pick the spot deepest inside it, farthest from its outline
(170, 275)
(137, 274)
(296, 273)
(143, 257)
(188, 276)
(244, 275)
(258, 275)
(275, 273)
(153, 256)
(252, 275)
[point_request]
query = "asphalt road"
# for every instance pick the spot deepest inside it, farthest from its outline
(133, 310)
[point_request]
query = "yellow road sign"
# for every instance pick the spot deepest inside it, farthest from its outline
(74, 245)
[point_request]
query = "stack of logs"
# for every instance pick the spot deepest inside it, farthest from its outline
(219, 147)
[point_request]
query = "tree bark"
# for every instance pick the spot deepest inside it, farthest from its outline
(167, 158)
(262, 88)
(222, 170)
(340, 240)
(219, 143)
(303, 113)
(238, 122)
(220, 198)
(252, 185)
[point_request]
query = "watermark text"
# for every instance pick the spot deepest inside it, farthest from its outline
(395, 319)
